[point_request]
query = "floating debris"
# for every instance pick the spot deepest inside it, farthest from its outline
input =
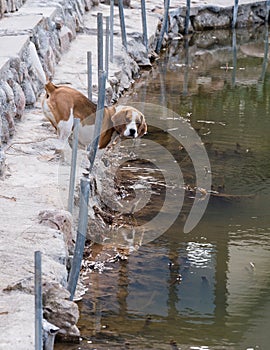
(252, 265)
(173, 345)
(170, 265)
(178, 279)
(180, 65)
(207, 171)
(227, 67)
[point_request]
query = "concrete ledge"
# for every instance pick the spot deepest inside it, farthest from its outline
(26, 23)
(12, 45)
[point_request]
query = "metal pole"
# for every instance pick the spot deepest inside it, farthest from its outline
(89, 75)
(185, 85)
(163, 27)
(73, 164)
(265, 56)
(107, 45)
(122, 23)
(100, 41)
(267, 11)
(166, 28)
(92, 148)
(38, 302)
(162, 98)
(144, 24)
(235, 10)
(84, 193)
(187, 16)
(234, 49)
(111, 29)
(81, 235)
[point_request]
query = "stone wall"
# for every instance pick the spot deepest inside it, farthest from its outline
(216, 17)
(32, 41)
(7, 6)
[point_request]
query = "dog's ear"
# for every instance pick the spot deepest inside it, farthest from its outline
(142, 130)
(119, 118)
(50, 87)
(119, 121)
(105, 138)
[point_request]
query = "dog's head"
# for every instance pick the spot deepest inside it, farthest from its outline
(129, 122)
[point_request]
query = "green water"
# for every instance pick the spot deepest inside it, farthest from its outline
(222, 300)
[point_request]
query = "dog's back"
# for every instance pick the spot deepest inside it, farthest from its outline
(61, 99)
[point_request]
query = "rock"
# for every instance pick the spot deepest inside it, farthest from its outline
(30, 97)
(60, 220)
(126, 3)
(177, 23)
(65, 37)
(48, 334)
(58, 23)
(60, 311)
(8, 110)
(95, 2)
(210, 18)
(25, 285)
(138, 52)
(2, 8)
(250, 15)
(17, 70)
(2, 160)
(19, 98)
(130, 69)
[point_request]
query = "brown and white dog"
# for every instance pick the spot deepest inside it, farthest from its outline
(62, 104)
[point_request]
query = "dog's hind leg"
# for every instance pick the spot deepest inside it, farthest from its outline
(64, 129)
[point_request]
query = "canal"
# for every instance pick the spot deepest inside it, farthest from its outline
(207, 287)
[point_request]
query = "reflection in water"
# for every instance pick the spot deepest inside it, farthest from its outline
(208, 289)
(199, 254)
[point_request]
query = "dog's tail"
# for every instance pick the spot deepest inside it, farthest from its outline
(50, 87)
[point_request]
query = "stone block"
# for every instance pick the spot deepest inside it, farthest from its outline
(65, 37)
(20, 24)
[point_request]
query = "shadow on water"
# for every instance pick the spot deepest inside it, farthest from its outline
(207, 289)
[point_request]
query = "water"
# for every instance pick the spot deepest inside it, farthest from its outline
(209, 288)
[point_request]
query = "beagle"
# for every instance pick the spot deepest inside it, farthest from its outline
(62, 104)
